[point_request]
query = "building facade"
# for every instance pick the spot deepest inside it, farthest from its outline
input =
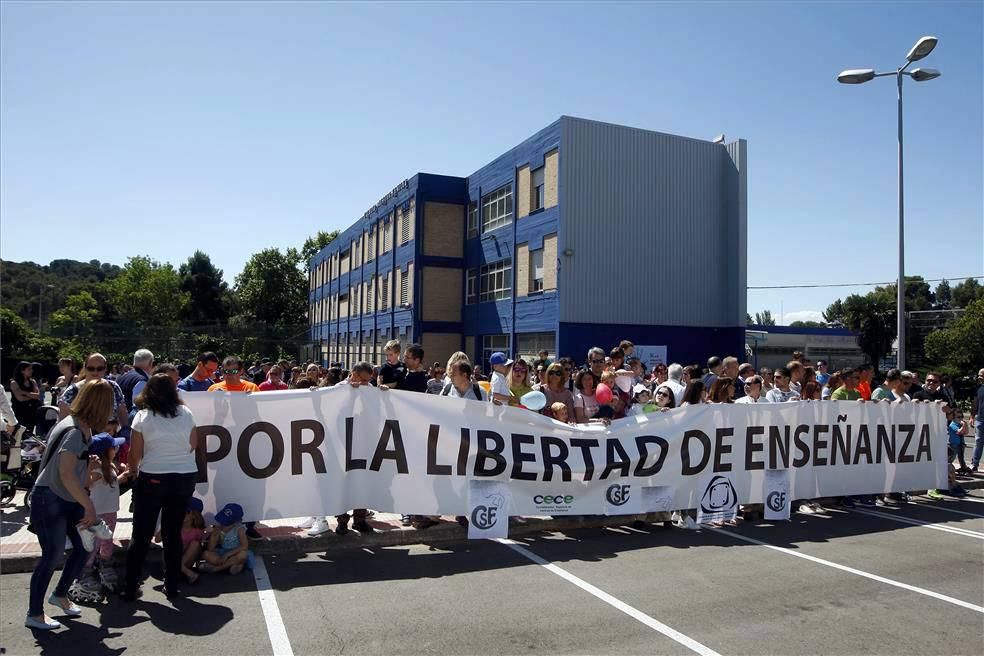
(582, 235)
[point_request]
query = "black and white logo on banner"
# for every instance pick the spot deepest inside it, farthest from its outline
(776, 494)
(622, 499)
(718, 500)
(489, 510)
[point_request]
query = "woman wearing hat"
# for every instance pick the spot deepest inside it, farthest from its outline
(60, 505)
(162, 450)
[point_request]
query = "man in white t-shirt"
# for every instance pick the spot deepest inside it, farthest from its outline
(674, 380)
(753, 391)
(499, 382)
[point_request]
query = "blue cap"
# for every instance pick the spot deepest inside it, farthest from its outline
(499, 359)
(230, 514)
(195, 504)
(103, 442)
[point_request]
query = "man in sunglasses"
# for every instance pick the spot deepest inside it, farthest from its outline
(596, 362)
(95, 368)
(782, 392)
(232, 370)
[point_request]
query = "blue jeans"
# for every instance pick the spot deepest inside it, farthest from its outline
(54, 519)
(978, 442)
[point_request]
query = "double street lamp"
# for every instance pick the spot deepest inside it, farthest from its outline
(923, 47)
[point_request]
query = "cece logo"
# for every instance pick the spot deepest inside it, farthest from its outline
(617, 495)
(553, 499)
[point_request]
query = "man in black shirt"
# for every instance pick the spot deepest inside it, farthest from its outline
(415, 379)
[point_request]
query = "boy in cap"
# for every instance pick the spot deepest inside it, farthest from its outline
(227, 545)
(500, 382)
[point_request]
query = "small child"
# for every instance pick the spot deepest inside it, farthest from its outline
(227, 545)
(956, 429)
(104, 491)
(192, 534)
(642, 400)
(559, 412)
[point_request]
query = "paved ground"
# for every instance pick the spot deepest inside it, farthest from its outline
(867, 585)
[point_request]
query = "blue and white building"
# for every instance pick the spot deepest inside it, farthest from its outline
(584, 234)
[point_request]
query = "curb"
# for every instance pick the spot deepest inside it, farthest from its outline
(299, 544)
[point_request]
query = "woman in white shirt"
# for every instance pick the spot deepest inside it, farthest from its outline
(162, 448)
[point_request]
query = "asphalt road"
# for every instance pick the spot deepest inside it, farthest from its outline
(869, 585)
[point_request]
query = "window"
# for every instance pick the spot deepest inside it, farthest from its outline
(536, 271)
(472, 220)
(536, 198)
(405, 219)
(384, 292)
(371, 244)
(495, 281)
(405, 287)
(529, 345)
(344, 263)
(387, 235)
(471, 287)
(497, 208)
(492, 344)
(343, 305)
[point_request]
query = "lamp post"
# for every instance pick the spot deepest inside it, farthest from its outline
(41, 301)
(923, 47)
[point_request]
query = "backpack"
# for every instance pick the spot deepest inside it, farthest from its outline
(475, 388)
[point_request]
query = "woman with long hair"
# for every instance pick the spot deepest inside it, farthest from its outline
(162, 449)
(694, 394)
(25, 394)
(519, 379)
(722, 390)
(664, 398)
(60, 504)
(585, 404)
(555, 389)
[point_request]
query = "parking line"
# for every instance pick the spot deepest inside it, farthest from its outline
(940, 506)
(635, 614)
(271, 611)
(851, 570)
(970, 498)
(967, 533)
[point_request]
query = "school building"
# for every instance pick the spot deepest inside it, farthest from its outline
(584, 234)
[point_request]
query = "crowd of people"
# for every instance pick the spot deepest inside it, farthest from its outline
(127, 428)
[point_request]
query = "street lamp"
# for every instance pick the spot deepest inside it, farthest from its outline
(41, 301)
(923, 47)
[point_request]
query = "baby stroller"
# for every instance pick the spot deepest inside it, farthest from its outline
(21, 453)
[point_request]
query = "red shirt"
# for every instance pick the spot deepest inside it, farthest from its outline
(268, 386)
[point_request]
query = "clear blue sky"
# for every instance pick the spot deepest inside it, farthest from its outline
(156, 129)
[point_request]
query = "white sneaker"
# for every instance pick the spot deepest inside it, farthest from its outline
(72, 610)
(88, 538)
(307, 523)
(320, 526)
(101, 530)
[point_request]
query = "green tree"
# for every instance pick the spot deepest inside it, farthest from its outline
(147, 293)
(78, 313)
(806, 324)
(871, 316)
(748, 318)
(16, 333)
(967, 292)
(765, 318)
(944, 295)
(960, 346)
(273, 288)
(834, 314)
(207, 291)
(314, 244)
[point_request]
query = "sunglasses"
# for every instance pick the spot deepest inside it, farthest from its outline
(519, 371)
(662, 394)
(553, 373)
(231, 372)
(95, 369)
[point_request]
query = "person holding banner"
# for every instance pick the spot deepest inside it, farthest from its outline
(782, 390)
(519, 379)
(753, 391)
(500, 378)
(555, 389)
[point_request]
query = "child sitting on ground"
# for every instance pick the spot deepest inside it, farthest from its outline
(192, 534)
(227, 545)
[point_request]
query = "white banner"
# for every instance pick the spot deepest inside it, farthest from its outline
(323, 452)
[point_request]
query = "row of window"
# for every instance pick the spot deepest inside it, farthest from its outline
(362, 250)
(496, 208)
(370, 296)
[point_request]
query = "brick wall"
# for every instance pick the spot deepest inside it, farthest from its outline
(444, 226)
(522, 281)
(523, 192)
(440, 294)
(551, 168)
(438, 347)
(550, 262)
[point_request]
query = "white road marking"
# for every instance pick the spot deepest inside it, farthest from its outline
(851, 570)
(940, 506)
(967, 533)
(635, 614)
(271, 611)
(970, 498)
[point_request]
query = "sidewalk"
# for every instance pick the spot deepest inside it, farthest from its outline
(19, 549)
